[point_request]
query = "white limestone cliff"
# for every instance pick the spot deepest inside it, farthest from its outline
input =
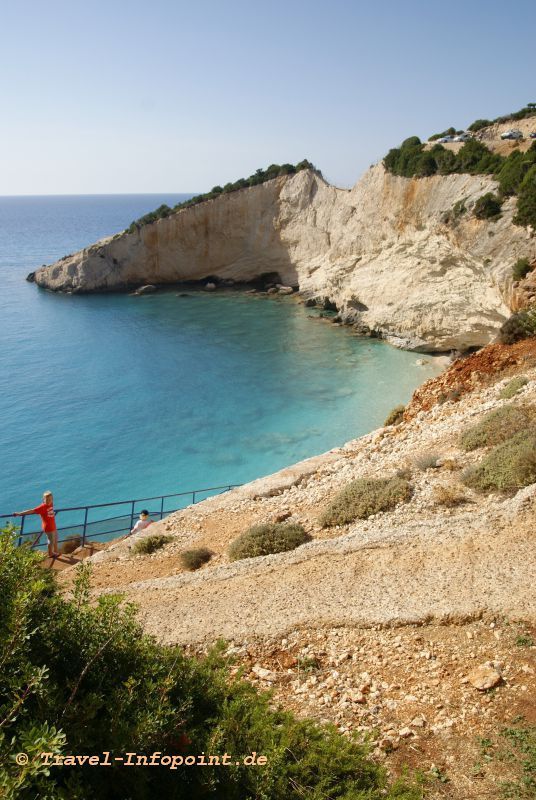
(381, 252)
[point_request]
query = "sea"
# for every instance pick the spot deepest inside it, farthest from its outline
(114, 397)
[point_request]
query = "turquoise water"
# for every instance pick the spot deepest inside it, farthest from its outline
(109, 397)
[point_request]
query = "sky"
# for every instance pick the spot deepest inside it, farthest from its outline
(122, 96)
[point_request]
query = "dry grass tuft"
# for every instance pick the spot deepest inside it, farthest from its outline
(449, 495)
(151, 544)
(195, 558)
(395, 416)
(424, 461)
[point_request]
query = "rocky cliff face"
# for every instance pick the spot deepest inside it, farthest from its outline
(381, 252)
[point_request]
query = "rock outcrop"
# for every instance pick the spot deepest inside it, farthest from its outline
(382, 253)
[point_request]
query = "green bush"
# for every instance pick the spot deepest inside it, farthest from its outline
(514, 169)
(449, 132)
(509, 466)
(527, 111)
(516, 173)
(513, 387)
(151, 544)
(521, 269)
(395, 416)
(478, 124)
(364, 497)
(487, 207)
(526, 200)
(496, 427)
(81, 677)
(193, 559)
(267, 538)
(520, 325)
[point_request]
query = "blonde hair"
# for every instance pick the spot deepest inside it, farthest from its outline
(47, 494)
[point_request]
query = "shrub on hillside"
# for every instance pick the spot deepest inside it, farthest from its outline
(478, 124)
(521, 269)
(267, 538)
(526, 200)
(509, 466)
(495, 427)
(195, 558)
(150, 544)
(487, 207)
(513, 387)
(513, 170)
(364, 497)
(520, 325)
(80, 676)
(527, 111)
(395, 416)
(449, 132)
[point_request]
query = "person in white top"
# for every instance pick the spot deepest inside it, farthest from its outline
(143, 522)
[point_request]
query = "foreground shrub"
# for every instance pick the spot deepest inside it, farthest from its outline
(395, 416)
(495, 427)
(487, 207)
(519, 326)
(80, 676)
(268, 538)
(513, 387)
(509, 466)
(521, 269)
(151, 544)
(193, 559)
(365, 497)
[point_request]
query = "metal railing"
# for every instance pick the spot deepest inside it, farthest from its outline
(81, 524)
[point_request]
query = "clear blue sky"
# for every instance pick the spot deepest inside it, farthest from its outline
(175, 96)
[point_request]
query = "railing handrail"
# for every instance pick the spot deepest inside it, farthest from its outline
(130, 513)
(227, 486)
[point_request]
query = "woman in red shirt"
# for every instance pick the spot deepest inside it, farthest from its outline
(48, 522)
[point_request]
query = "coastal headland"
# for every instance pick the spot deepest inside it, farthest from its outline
(404, 258)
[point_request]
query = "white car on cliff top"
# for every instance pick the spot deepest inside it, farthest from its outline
(512, 134)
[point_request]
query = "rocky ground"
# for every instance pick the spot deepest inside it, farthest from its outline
(413, 628)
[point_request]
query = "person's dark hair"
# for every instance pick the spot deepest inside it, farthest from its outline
(144, 511)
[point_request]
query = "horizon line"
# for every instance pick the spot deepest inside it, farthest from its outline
(93, 194)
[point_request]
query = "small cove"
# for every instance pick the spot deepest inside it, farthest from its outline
(108, 397)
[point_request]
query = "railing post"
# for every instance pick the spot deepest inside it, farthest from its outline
(132, 516)
(193, 498)
(85, 527)
(21, 529)
(162, 508)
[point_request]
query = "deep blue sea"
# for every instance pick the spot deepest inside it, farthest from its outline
(111, 397)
